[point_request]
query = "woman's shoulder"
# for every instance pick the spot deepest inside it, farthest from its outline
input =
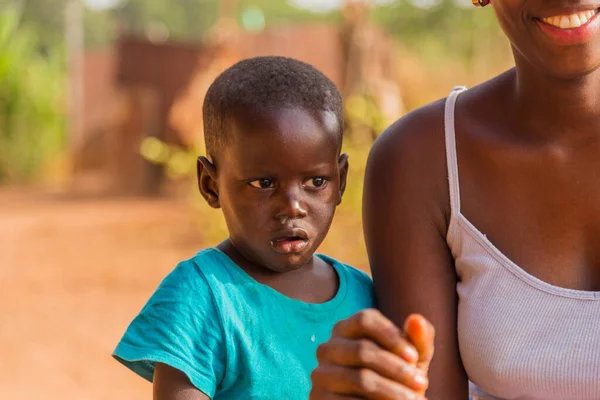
(410, 155)
(418, 137)
(418, 128)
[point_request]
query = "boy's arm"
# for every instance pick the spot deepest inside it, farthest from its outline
(172, 384)
(180, 326)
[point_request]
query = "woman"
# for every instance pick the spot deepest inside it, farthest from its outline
(506, 263)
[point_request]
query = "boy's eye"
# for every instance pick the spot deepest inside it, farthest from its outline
(316, 182)
(262, 183)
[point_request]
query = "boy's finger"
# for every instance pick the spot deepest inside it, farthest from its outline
(362, 383)
(363, 353)
(331, 396)
(373, 325)
(422, 334)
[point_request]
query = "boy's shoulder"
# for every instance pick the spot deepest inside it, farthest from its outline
(199, 274)
(353, 274)
(356, 285)
(209, 261)
(212, 273)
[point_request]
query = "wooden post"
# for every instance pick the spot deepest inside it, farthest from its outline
(226, 9)
(75, 88)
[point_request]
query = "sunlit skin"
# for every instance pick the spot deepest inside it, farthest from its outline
(278, 181)
(528, 144)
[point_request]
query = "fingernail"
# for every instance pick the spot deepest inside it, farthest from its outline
(421, 380)
(410, 354)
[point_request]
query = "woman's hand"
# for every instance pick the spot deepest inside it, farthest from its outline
(368, 357)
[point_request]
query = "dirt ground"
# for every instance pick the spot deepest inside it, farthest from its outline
(73, 272)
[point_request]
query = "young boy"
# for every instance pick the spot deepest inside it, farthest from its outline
(243, 320)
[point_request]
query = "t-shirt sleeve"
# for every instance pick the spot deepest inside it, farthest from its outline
(179, 326)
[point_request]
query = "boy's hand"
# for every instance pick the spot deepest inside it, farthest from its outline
(368, 357)
(421, 334)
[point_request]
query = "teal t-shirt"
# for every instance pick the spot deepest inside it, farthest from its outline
(234, 337)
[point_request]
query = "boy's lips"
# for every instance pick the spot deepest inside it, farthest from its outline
(290, 241)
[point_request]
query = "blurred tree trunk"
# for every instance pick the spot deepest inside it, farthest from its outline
(370, 93)
(354, 85)
(355, 15)
(226, 9)
(74, 45)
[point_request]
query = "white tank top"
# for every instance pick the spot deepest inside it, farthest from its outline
(519, 337)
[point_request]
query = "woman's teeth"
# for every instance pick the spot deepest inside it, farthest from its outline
(571, 21)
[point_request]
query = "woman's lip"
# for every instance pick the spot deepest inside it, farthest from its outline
(566, 9)
(570, 37)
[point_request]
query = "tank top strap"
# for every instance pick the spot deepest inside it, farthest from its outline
(451, 158)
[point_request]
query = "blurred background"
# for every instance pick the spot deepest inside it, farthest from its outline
(100, 124)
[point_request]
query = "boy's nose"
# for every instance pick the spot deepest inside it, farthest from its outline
(291, 207)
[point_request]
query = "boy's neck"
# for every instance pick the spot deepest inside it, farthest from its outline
(314, 282)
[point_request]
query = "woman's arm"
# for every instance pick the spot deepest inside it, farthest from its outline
(406, 213)
(172, 384)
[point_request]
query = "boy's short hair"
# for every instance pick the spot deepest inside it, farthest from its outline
(268, 82)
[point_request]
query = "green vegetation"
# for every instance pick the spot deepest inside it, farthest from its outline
(32, 122)
(440, 46)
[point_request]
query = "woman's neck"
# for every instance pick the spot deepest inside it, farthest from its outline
(558, 109)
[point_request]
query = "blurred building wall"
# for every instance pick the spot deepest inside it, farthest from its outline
(139, 88)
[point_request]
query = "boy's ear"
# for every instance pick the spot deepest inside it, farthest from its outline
(207, 181)
(343, 167)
